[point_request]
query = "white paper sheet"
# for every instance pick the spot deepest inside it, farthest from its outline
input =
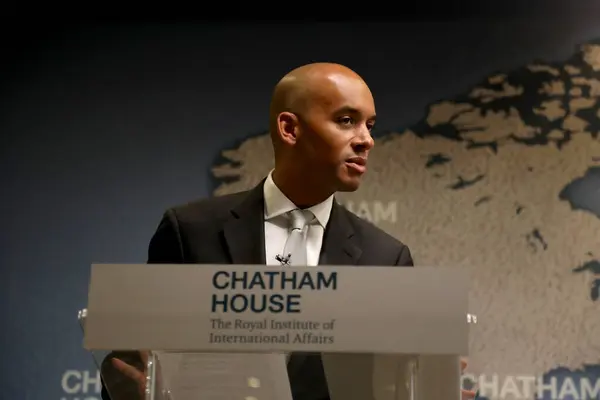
(224, 376)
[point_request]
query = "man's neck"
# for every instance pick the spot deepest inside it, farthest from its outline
(297, 189)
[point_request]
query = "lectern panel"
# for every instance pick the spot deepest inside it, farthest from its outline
(221, 331)
(240, 308)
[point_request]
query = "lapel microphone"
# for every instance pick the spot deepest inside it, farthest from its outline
(284, 260)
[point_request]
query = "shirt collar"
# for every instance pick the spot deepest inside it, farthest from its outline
(276, 203)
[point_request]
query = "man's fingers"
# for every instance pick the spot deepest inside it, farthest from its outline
(466, 394)
(129, 371)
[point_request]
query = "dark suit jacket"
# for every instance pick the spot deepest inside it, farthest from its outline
(230, 230)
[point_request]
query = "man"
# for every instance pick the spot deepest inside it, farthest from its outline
(321, 118)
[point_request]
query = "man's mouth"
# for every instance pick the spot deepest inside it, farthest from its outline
(358, 164)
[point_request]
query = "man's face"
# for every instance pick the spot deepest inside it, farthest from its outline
(335, 133)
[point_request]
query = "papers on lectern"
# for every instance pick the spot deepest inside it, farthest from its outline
(219, 376)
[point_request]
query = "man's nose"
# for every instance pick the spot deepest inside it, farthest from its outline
(363, 141)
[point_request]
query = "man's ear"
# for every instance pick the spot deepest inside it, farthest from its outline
(288, 127)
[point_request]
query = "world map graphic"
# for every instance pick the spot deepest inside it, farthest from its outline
(502, 180)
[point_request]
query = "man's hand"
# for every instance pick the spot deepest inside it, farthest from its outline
(466, 394)
(133, 373)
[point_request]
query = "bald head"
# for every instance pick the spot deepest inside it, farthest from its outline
(306, 86)
(321, 117)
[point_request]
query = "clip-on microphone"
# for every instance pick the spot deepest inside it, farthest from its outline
(283, 260)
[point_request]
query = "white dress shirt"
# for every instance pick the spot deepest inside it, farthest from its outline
(276, 224)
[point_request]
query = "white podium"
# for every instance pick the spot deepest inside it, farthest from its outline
(227, 331)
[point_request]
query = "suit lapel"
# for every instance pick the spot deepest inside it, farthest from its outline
(244, 231)
(244, 236)
(340, 245)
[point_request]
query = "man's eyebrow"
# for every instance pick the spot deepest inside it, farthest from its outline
(352, 110)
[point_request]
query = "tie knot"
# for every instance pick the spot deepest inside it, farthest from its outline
(299, 218)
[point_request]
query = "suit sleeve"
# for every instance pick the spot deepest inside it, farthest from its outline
(405, 258)
(166, 246)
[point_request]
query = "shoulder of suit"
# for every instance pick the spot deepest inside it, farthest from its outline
(371, 233)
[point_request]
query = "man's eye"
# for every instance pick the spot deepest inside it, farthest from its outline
(346, 120)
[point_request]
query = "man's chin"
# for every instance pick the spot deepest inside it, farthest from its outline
(349, 184)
